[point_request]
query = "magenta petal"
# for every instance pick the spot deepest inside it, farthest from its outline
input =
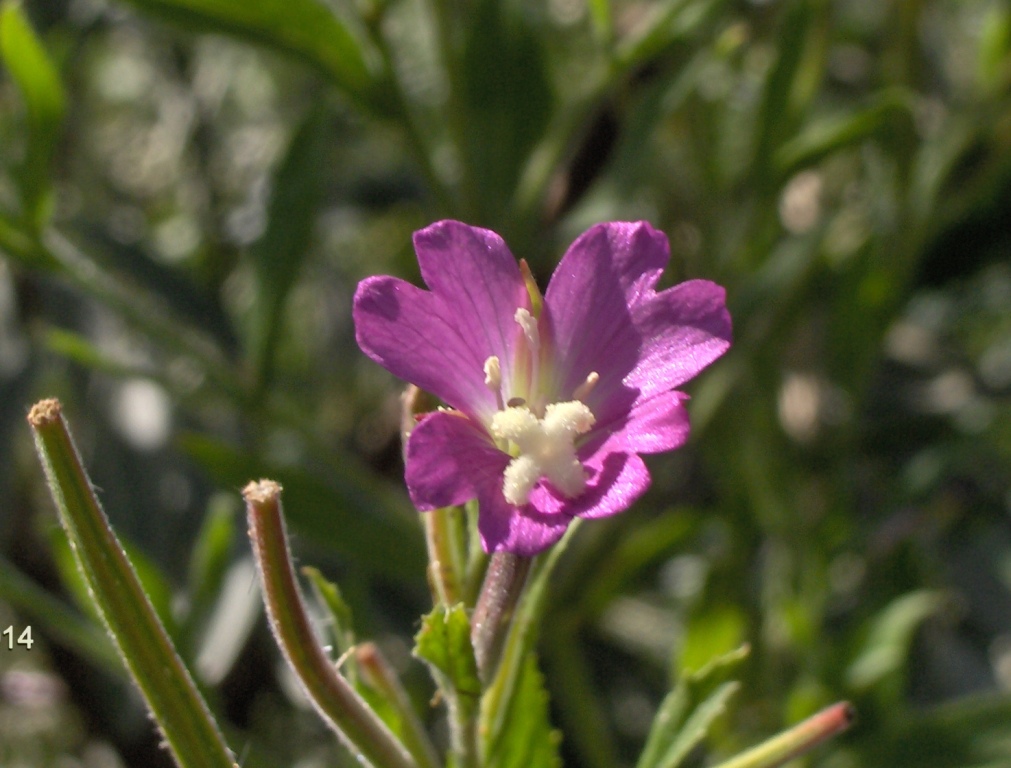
(616, 480)
(521, 530)
(655, 424)
(479, 281)
(411, 334)
(449, 458)
(603, 276)
(684, 329)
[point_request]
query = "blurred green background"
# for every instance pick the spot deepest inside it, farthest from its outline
(191, 189)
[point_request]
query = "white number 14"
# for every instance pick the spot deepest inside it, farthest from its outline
(25, 638)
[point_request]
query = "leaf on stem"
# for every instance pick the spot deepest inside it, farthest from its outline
(527, 739)
(443, 642)
(689, 711)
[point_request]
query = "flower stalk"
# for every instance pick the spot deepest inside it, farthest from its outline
(503, 585)
(335, 700)
(189, 729)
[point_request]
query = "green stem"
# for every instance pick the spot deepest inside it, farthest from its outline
(335, 700)
(799, 740)
(520, 640)
(183, 717)
(443, 535)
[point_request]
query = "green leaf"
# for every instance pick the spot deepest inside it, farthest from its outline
(39, 84)
(601, 16)
(778, 114)
(443, 642)
(278, 256)
(664, 24)
(329, 597)
(689, 711)
(507, 103)
(527, 739)
(209, 561)
(351, 512)
(885, 652)
(497, 698)
(970, 732)
(992, 70)
(830, 134)
(717, 630)
(213, 546)
(81, 349)
(217, 634)
(304, 28)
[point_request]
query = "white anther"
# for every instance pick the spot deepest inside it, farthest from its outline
(586, 387)
(546, 448)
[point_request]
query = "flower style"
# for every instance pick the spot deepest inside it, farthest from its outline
(550, 400)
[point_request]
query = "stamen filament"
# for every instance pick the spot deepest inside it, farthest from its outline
(528, 324)
(586, 387)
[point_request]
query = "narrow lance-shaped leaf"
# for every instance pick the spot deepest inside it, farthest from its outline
(39, 84)
(182, 715)
(306, 28)
(278, 256)
(689, 711)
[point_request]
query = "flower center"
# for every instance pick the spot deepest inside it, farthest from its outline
(543, 448)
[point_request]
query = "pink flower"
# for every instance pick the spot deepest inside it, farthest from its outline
(550, 402)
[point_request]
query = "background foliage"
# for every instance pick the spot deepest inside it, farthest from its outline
(191, 189)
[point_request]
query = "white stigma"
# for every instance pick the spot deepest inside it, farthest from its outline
(493, 374)
(546, 448)
(493, 378)
(528, 323)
